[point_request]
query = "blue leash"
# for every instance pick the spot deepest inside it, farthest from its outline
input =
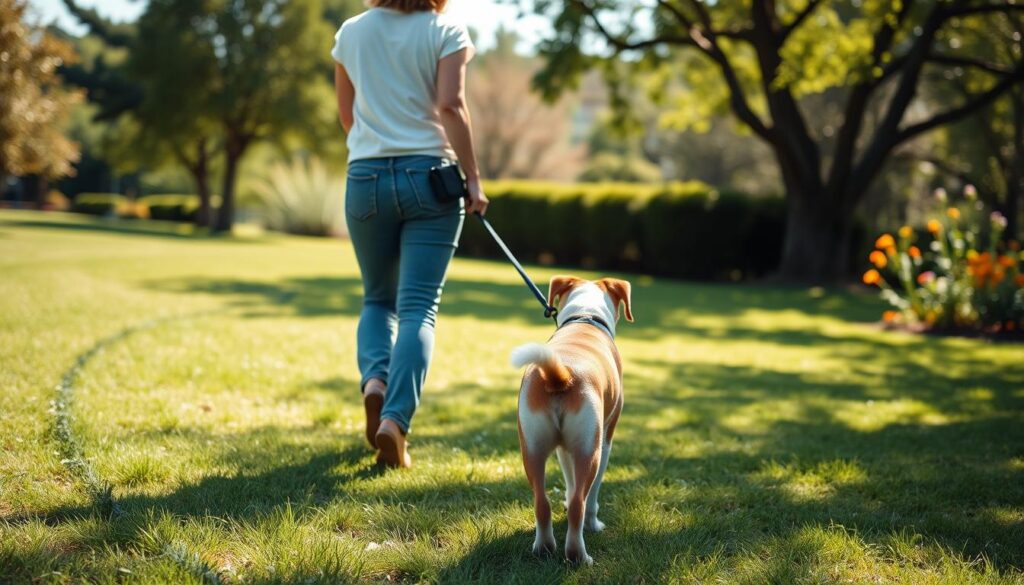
(549, 311)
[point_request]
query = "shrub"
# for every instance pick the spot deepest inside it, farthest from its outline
(302, 198)
(101, 204)
(182, 208)
(965, 278)
(682, 230)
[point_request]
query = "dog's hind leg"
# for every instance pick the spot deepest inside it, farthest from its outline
(536, 441)
(592, 523)
(565, 462)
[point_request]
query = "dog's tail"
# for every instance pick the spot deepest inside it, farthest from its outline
(551, 369)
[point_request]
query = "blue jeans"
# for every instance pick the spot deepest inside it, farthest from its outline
(404, 239)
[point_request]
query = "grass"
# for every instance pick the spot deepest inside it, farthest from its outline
(181, 409)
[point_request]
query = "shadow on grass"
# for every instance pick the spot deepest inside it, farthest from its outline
(702, 487)
(128, 227)
(660, 309)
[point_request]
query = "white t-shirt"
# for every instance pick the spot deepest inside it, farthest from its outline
(391, 58)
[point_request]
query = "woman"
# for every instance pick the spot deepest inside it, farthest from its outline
(400, 78)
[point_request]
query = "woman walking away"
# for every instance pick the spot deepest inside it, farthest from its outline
(400, 78)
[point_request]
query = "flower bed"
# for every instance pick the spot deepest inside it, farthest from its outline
(956, 276)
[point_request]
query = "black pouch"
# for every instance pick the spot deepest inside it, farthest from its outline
(448, 182)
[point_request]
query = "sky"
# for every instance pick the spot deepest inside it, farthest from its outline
(485, 16)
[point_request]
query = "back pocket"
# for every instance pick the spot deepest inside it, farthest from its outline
(424, 191)
(361, 196)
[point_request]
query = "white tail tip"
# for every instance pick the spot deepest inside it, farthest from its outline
(531, 353)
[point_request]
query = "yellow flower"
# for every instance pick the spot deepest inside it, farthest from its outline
(878, 259)
(906, 231)
(934, 226)
(872, 277)
(953, 213)
(885, 241)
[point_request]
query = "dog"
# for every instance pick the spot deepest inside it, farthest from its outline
(569, 401)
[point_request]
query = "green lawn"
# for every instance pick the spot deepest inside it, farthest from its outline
(769, 435)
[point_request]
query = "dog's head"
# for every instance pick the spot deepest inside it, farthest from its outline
(601, 298)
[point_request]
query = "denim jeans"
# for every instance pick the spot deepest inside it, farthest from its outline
(404, 239)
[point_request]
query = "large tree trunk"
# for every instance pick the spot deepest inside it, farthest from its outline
(233, 151)
(201, 176)
(226, 213)
(1015, 178)
(816, 248)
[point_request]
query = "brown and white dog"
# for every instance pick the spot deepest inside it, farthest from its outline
(569, 401)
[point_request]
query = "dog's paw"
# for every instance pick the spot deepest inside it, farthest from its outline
(578, 558)
(593, 525)
(544, 549)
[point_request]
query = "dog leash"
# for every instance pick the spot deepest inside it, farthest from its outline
(549, 311)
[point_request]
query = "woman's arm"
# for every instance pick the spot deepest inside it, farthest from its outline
(346, 96)
(451, 106)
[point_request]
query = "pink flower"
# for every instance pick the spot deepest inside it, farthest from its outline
(970, 192)
(998, 219)
(940, 194)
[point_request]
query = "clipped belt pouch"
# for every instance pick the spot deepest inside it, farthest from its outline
(448, 183)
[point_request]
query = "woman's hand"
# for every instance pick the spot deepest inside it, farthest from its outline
(477, 202)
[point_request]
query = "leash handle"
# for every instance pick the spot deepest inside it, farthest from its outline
(549, 311)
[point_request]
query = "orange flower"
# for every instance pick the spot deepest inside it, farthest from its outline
(925, 277)
(872, 277)
(914, 252)
(1006, 261)
(885, 241)
(890, 316)
(906, 231)
(953, 213)
(1020, 280)
(972, 255)
(998, 275)
(934, 226)
(878, 259)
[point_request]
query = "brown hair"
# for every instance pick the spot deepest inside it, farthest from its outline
(410, 5)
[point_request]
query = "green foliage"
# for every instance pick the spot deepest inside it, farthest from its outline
(608, 166)
(102, 204)
(302, 198)
(181, 208)
(683, 230)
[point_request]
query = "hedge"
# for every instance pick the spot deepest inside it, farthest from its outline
(172, 207)
(683, 230)
(102, 204)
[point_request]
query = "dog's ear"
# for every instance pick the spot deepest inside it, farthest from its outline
(559, 286)
(621, 293)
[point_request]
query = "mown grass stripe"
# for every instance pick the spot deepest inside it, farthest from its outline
(101, 492)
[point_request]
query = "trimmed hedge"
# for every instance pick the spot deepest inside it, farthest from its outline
(172, 207)
(102, 204)
(682, 230)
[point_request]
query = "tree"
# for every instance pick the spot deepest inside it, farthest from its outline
(253, 69)
(209, 77)
(757, 58)
(517, 134)
(33, 105)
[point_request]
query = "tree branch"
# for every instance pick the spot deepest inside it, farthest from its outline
(98, 26)
(800, 18)
(968, 62)
(974, 104)
(985, 8)
(622, 44)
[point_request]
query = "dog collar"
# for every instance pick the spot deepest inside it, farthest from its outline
(590, 320)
